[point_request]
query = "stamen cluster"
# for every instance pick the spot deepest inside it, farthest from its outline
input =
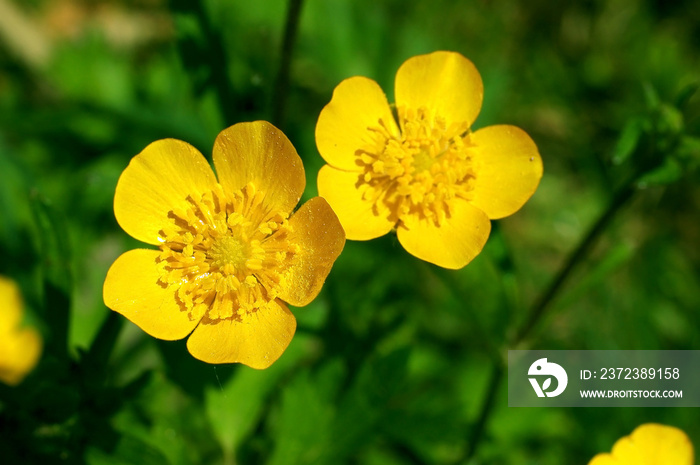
(226, 253)
(420, 171)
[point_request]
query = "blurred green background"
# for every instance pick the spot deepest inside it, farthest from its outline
(391, 363)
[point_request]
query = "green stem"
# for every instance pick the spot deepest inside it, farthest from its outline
(486, 409)
(543, 304)
(281, 90)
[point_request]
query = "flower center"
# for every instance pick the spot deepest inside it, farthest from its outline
(229, 253)
(422, 161)
(225, 254)
(419, 172)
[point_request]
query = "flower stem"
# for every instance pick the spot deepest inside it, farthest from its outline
(543, 304)
(486, 409)
(281, 90)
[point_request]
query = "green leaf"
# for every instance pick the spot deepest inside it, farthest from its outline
(164, 417)
(53, 241)
(103, 344)
(306, 415)
(670, 120)
(314, 427)
(235, 408)
(688, 151)
(365, 406)
(651, 96)
(628, 141)
(686, 94)
(128, 451)
(669, 172)
(12, 184)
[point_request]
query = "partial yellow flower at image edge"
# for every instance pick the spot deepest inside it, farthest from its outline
(20, 346)
(231, 254)
(427, 175)
(650, 444)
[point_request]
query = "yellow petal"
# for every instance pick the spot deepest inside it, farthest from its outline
(626, 452)
(20, 346)
(261, 154)
(10, 305)
(316, 229)
(359, 217)
(650, 444)
(156, 181)
(343, 126)
(257, 341)
(508, 169)
(444, 82)
(454, 243)
(132, 289)
(603, 459)
(661, 445)
(19, 354)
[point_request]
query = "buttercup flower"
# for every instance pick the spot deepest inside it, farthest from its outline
(650, 444)
(231, 253)
(20, 346)
(426, 174)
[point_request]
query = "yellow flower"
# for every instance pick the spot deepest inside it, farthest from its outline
(650, 444)
(20, 346)
(427, 174)
(230, 252)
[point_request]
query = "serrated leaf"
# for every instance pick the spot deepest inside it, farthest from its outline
(364, 406)
(168, 420)
(317, 428)
(306, 415)
(235, 408)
